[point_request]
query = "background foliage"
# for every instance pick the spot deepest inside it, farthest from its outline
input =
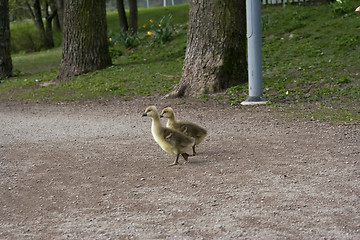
(311, 63)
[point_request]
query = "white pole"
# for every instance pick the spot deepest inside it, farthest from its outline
(164, 3)
(172, 1)
(147, 4)
(253, 23)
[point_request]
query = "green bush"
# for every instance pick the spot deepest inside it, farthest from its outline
(24, 37)
(118, 41)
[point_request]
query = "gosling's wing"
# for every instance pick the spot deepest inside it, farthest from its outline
(174, 137)
(191, 129)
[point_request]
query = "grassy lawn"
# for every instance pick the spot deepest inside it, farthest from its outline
(311, 64)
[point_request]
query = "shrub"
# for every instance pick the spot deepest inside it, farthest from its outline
(118, 41)
(161, 31)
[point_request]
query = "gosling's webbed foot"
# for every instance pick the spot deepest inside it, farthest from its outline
(176, 161)
(173, 164)
(185, 156)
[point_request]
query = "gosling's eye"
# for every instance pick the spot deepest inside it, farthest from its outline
(165, 111)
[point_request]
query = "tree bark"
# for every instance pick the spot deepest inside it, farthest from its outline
(85, 43)
(5, 57)
(215, 57)
(122, 15)
(133, 16)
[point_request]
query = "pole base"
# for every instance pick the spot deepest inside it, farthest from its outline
(254, 101)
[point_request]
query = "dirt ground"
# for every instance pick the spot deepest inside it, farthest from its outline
(93, 171)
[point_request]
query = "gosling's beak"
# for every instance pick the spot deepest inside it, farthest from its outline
(161, 115)
(144, 114)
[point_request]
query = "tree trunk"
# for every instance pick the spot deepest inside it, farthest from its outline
(37, 18)
(85, 43)
(133, 16)
(122, 16)
(215, 57)
(5, 57)
(57, 26)
(60, 11)
(49, 18)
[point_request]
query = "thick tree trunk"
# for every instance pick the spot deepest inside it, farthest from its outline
(5, 57)
(85, 43)
(133, 16)
(122, 15)
(215, 56)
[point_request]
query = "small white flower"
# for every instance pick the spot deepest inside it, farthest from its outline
(287, 93)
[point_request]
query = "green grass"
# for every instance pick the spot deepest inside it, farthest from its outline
(311, 59)
(25, 37)
(148, 69)
(36, 61)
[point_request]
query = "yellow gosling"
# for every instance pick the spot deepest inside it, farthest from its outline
(189, 129)
(170, 140)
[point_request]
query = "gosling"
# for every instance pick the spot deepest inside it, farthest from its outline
(170, 140)
(189, 129)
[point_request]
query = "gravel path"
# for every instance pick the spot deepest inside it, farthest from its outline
(93, 171)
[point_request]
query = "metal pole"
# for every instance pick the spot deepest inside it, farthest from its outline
(147, 4)
(253, 23)
(164, 3)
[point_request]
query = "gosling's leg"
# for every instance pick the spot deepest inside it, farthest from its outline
(176, 161)
(194, 153)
